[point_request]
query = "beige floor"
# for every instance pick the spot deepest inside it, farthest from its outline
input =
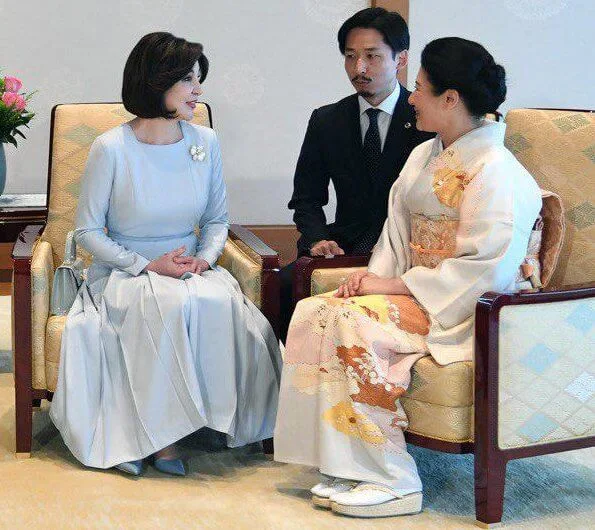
(242, 489)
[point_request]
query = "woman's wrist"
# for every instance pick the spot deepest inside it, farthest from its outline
(397, 286)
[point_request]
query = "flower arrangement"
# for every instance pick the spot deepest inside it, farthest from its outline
(13, 112)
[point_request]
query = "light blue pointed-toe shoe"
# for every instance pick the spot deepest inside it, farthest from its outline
(172, 466)
(134, 467)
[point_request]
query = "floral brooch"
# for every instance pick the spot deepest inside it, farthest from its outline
(197, 152)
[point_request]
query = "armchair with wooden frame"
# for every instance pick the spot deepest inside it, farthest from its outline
(530, 389)
(40, 249)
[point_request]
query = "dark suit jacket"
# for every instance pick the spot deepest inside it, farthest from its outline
(332, 151)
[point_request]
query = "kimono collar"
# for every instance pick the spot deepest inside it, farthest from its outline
(455, 167)
(489, 134)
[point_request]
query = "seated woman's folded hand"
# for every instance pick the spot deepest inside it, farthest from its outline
(352, 286)
(361, 283)
(198, 265)
(174, 264)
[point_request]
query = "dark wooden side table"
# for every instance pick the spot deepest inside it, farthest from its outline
(16, 212)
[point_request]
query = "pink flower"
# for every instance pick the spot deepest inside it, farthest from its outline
(10, 99)
(12, 84)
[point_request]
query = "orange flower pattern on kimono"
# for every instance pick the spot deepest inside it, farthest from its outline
(358, 352)
(450, 179)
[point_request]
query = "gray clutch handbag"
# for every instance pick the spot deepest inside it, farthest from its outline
(67, 279)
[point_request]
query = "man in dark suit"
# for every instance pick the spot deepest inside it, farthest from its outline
(359, 143)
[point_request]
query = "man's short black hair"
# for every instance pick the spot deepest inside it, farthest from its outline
(157, 62)
(390, 24)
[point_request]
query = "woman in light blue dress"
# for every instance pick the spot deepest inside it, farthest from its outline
(160, 340)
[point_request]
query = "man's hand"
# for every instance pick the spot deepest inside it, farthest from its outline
(174, 264)
(326, 248)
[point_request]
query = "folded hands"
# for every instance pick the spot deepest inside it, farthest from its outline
(175, 264)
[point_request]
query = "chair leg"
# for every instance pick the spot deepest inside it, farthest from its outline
(268, 446)
(24, 420)
(490, 476)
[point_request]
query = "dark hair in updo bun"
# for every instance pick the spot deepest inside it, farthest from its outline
(468, 68)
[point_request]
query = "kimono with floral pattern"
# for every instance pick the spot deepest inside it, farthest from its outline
(458, 225)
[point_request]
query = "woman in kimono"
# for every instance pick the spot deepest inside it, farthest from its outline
(459, 220)
(160, 340)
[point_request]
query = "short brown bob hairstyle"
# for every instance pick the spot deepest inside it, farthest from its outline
(157, 62)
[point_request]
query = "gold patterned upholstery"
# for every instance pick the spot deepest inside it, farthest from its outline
(325, 280)
(75, 127)
(245, 266)
(449, 424)
(53, 340)
(42, 274)
(439, 402)
(558, 149)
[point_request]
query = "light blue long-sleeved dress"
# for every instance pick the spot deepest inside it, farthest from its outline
(148, 359)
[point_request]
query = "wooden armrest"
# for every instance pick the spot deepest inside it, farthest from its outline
(492, 301)
(22, 255)
(270, 258)
(304, 266)
(23, 248)
(487, 323)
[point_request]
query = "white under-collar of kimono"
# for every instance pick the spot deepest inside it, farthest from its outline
(388, 105)
(488, 134)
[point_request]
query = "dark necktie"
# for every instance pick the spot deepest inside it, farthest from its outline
(372, 152)
(372, 147)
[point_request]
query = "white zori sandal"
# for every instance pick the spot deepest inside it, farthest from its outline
(321, 492)
(374, 500)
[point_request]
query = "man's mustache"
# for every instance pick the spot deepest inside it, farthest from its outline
(360, 78)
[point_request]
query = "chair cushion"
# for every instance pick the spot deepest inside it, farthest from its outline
(450, 424)
(439, 402)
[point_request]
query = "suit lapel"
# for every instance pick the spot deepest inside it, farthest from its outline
(397, 138)
(354, 137)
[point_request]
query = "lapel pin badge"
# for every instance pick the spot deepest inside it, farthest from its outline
(407, 125)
